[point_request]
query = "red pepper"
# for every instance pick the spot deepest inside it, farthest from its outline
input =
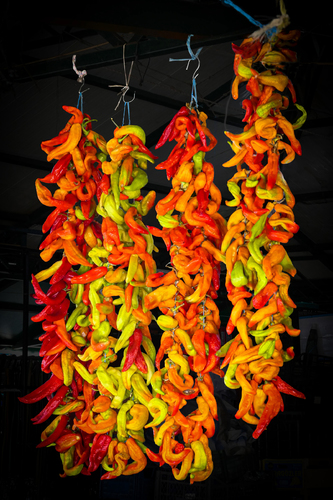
(58, 170)
(262, 297)
(51, 385)
(200, 132)
(167, 132)
(62, 271)
(58, 222)
(248, 106)
(280, 236)
(154, 457)
(136, 141)
(47, 362)
(140, 362)
(216, 276)
(133, 349)
(131, 223)
(91, 275)
(48, 342)
(97, 230)
(98, 450)
(104, 184)
(282, 386)
(214, 343)
(50, 220)
(53, 313)
(203, 199)
(63, 421)
(43, 297)
(272, 408)
(51, 406)
(48, 145)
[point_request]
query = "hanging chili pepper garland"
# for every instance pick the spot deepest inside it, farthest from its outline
(258, 268)
(193, 231)
(97, 401)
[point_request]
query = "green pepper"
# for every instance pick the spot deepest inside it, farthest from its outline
(238, 277)
(149, 347)
(121, 392)
(131, 129)
(126, 332)
(102, 332)
(111, 210)
(259, 226)
(234, 189)
(198, 162)
(115, 187)
(121, 418)
(261, 276)
(94, 299)
(156, 382)
(224, 349)
(301, 120)
(83, 320)
(140, 179)
(135, 297)
(200, 457)
(267, 348)
(147, 203)
(229, 377)
(254, 248)
(138, 155)
(78, 311)
(67, 460)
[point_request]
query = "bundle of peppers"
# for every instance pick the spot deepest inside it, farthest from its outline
(193, 231)
(95, 397)
(258, 268)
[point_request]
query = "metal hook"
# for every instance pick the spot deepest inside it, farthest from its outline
(196, 71)
(124, 88)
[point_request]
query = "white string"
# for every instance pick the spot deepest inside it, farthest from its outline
(125, 88)
(275, 26)
(81, 74)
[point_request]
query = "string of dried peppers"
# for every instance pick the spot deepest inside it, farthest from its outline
(258, 268)
(193, 231)
(97, 398)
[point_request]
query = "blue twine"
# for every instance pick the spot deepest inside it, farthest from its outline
(250, 18)
(126, 107)
(80, 102)
(193, 56)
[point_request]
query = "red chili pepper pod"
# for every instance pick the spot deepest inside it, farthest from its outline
(98, 450)
(43, 391)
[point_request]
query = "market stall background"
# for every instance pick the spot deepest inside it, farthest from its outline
(37, 78)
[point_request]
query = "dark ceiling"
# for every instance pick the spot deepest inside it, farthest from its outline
(37, 78)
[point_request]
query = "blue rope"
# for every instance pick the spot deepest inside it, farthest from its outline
(250, 18)
(193, 56)
(126, 107)
(80, 102)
